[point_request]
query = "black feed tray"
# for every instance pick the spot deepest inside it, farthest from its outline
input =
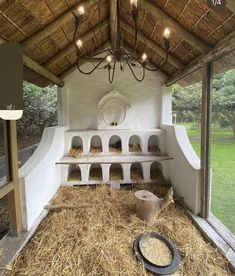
(157, 270)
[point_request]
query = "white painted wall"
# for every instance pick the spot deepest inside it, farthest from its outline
(81, 95)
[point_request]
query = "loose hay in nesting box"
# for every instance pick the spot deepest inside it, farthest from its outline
(98, 240)
(134, 148)
(76, 152)
(95, 174)
(136, 175)
(154, 149)
(75, 176)
(116, 174)
(116, 150)
(96, 150)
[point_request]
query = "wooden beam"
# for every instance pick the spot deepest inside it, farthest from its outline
(54, 25)
(176, 26)
(153, 46)
(14, 196)
(74, 66)
(70, 48)
(36, 67)
(113, 23)
(205, 140)
(6, 189)
(222, 48)
(231, 5)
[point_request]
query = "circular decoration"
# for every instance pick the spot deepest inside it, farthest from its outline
(157, 269)
(113, 107)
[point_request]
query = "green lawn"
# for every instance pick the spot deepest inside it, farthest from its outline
(223, 167)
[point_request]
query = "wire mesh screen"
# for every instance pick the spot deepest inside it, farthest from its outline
(223, 142)
(186, 100)
(4, 170)
(4, 217)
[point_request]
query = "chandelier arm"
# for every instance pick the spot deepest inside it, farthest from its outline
(133, 73)
(90, 72)
(111, 78)
(157, 68)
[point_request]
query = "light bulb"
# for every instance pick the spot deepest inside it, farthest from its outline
(79, 43)
(81, 10)
(134, 3)
(144, 57)
(109, 59)
(167, 33)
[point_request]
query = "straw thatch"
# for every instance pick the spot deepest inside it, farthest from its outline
(208, 25)
(97, 240)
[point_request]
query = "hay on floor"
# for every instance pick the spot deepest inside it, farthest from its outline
(98, 240)
(76, 152)
(116, 174)
(4, 217)
(114, 149)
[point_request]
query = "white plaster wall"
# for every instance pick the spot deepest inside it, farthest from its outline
(82, 93)
(40, 177)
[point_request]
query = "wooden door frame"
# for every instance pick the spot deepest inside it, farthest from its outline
(11, 189)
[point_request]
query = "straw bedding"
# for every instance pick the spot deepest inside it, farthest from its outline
(97, 240)
(135, 148)
(76, 152)
(4, 217)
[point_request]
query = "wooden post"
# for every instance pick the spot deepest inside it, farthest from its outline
(14, 195)
(205, 140)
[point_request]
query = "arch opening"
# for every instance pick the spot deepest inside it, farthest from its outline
(136, 172)
(135, 144)
(74, 173)
(156, 171)
(96, 145)
(115, 144)
(153, 144)
(115, 172)
(76, 147)
(95, 172)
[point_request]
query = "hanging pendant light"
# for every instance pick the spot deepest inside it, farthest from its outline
(111, 56)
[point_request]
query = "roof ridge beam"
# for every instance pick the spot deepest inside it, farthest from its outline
(176, 26)
(36, 67)
(153, 45)
(70, 48)
(54, 25)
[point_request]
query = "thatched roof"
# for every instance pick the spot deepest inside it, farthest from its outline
(45, 29)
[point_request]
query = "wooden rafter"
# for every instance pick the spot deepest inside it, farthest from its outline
(51, 27)
(231, 5)
(36, 67)
(113, 23)
(74, 66)
(152, 45)
(176, 26)
(222, 48)
(70, 48)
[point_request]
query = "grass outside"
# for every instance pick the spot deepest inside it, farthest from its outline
(223, 170)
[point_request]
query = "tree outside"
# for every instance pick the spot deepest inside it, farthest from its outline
(187, 105)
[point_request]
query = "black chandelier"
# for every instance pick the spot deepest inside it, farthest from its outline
(118, 54)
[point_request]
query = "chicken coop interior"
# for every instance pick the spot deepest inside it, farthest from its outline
(75, 207)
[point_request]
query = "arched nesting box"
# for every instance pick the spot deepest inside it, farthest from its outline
(115, 172)
(135, 144)
(74, 173)
(153, 144)
(76, 147)
(156, 171)
(136, 172)
(115, 144)
(96, 145)
(95, 172)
